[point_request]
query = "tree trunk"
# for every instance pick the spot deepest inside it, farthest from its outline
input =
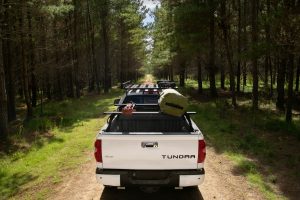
(244, 75)
(254, 35)
(3, 98)
(48, 87)
(297, 76)
(24, 64)
(268, 57)
(275, 70)
(8, 65)
(88, 46)
(75, 48)
(266, 74)
(19, 66)
(59, 92)
(245, 14)
(222, 69)
(122, 61)
(280, 84)
(94, 62)
(290, 6)
(212, 52)
(92, 39)
(70, 83)
(32, 61)
(182, 73)
(70, 70)
(289, 104)
(227, 42)
(104, 26)
(42, 103)
(171, 72)
(238, 72)
(271, 78)
(200, 88)
(58, 86)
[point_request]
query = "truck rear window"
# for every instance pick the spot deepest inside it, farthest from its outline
(148, 123)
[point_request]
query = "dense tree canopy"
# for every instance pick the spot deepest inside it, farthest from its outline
(55, 49)
(63, 48)
(239, 38)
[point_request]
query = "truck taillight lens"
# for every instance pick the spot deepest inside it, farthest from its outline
(201, 151)
(98, 150)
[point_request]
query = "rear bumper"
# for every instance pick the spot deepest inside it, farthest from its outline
(170, 178)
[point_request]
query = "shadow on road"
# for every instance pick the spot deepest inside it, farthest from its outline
(192, 193)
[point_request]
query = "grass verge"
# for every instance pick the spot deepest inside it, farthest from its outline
(262, 146)
(57, 141)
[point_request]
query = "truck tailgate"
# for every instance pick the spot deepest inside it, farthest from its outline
(149, 152)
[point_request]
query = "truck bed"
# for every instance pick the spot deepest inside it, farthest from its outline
(149, 123)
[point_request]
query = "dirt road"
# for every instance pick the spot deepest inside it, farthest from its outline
(222, 182)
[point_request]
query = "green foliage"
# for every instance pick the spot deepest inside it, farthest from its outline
(57, 10)
(180, 33)
(39, 124)
(191, 27)
(279, 125)
(129, 32)
(164, 41)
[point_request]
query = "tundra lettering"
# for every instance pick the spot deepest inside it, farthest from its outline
(178, 156)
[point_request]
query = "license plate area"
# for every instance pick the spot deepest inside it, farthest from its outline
(149, 175)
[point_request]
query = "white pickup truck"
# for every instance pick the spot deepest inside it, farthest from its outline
(149, 149)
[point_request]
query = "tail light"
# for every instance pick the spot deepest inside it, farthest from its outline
(201, 151)
(98, 150)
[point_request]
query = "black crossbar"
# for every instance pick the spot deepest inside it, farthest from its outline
(125, 84)
(151, 88)
(115, 112)
(142, 88)
(136, 104)
(128, 85)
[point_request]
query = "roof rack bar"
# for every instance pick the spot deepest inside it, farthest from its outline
(136, 104)
(162, 84)
(152, 88)
(115, 112)
(125, 84)
(132, 113)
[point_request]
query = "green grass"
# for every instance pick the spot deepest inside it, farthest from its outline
(239, 142)
(247, 88)
(70, 128)
(241, 134)
(249, 169)
(251, 140)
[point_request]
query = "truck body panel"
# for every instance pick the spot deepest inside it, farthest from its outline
(146, 147)
(149, 151)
